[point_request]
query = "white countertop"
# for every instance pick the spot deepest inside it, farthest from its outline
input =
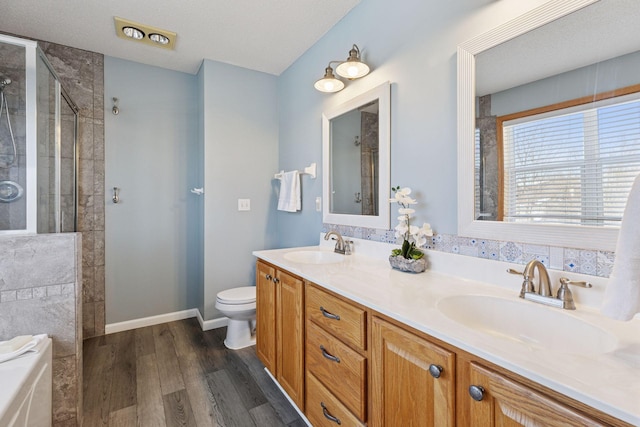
(609, 382)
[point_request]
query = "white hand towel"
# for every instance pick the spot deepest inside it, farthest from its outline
(289, 200)
(18, 346)
(622, 295)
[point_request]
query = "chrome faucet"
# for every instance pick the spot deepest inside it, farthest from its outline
(544, 295)
(342, 246)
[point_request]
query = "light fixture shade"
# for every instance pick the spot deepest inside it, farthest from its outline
(353, 67)
(329, 83)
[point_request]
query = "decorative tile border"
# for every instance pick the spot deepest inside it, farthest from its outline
(36, 292)
(594, 263)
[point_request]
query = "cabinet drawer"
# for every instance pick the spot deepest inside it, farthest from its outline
(344, 320)
(323, 409)
(341, 369)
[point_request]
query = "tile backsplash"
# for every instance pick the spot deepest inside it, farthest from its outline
(594, 263)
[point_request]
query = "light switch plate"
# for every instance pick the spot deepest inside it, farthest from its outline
(244, 204)
(318, 204)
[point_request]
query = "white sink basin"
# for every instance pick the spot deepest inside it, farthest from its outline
(314, 257)
(529, 323)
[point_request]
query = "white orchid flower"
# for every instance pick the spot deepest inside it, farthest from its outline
(425, 230)
(402, 227)
(420, 240)
(406, 211)
(404, 191)
(406, 201)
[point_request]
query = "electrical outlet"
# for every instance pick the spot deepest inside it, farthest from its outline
(244, 204)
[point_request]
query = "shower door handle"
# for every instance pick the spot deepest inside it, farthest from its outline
(116, 197)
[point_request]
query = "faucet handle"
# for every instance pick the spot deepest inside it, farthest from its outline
(565, 295)
(527, 284)
(566, 281)
(347, 246)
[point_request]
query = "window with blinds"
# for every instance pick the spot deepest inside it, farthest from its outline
(574, 165)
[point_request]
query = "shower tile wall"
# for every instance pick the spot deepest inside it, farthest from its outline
(40, 293)
(82, 74)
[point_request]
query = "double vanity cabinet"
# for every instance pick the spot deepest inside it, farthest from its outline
(343, 363)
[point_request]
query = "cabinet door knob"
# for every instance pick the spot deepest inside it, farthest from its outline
(476, 392)
(325, 313)
(329, 356)
(268, 276)
(435, 370)
(328, 416)
(276, 280)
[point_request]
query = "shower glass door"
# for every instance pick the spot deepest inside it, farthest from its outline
(38, 132)
(13, 128)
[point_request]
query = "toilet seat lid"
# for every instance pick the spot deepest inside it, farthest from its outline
(241, 295)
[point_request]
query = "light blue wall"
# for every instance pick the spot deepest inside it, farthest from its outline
(240, 136)
(152, 236)
(412, 44)
(242, 126)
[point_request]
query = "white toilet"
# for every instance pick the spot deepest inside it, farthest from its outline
(239, 305)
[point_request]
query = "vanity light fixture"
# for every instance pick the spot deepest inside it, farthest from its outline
(352, 68)
(144, 33)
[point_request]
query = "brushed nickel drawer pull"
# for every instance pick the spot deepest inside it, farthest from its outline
(328, 416)
(329, 356)
(325, 313)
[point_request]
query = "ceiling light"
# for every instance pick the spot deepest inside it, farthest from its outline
(133, 33)
(158, 38)
(353, 67)
(329, 83)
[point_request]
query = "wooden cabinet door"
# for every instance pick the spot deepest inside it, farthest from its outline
(403, 392)
(290, 338)
(266, 316)
(506, 403)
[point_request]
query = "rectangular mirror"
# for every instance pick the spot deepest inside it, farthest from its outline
(355, 158)
(549, 125)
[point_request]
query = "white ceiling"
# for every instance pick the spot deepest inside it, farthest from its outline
(263, 35)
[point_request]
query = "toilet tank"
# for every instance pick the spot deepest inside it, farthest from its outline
(25, 391)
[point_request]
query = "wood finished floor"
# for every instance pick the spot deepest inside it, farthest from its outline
(175, 374)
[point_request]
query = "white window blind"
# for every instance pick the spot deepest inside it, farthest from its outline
(572, 166)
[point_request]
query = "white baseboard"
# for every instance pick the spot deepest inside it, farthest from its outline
(207, 325)
(164, 318)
